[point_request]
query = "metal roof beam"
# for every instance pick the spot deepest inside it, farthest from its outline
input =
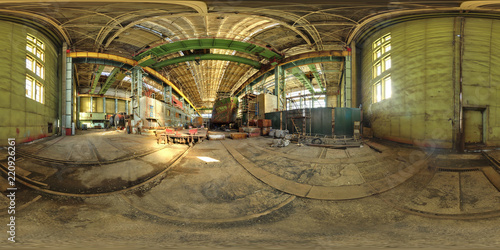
(294, 61)
(109, 81)
(97, 75)
(126, 61)
(299, 74)
(221, 57)
(211, 43)
(313, 69)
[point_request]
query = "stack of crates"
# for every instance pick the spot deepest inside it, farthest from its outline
(264, 125)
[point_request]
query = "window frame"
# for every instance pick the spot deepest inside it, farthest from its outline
(381, 64)
(35, 69)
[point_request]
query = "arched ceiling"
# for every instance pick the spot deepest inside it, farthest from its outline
(290, 27)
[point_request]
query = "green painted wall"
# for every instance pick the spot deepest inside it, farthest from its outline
(481, 77)
(422, 84)
(22, 117)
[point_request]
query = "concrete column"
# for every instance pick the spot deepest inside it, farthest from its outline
(354, 76)
(91, 104)
(165, 93)
(348, 82)
(62, 93)
(68, 90)
(126, 106)
(279, 87)
(116, 105)
(331, 97)
(78, 110)
(170, 91)
(136, 93)
(69, 96)
(104, 104)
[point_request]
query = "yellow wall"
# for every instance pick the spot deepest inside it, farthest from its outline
(110, 105)
(98, 105)
(425, 83)
(85, 104)
(422, 85)
(22, 117)
(481, 75)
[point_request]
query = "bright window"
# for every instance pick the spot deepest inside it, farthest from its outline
(378, 69)
(37, 92)
(382, 63)
(35, 57)
(39, 70)
(377, 54)
(39, 54)
(30, 63)
(387, 48)
(377, 92)
(30, 48)
(34, 89)
(387, 63)
(387, 87)
(29, 86)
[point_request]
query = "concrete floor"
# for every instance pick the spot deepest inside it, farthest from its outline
(109, 189)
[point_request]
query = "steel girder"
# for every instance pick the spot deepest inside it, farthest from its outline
(279, 87)
(293, 64)
(299, 74)
(220, 57)
(313, 69)
(126, 63)
(96, 78)
(114, 76)
(211, 43)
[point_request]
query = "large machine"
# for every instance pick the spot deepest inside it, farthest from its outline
(225, 111)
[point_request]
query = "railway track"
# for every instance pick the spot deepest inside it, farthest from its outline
(490, 173)
(44, 188)
(244, 218)
(87, 163)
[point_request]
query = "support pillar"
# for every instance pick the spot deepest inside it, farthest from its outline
(104, 104)
(126, 107)
(170, 95)
(136, 93)
(279, 87)
(69, 91)
(116, 106)
(354, 75)
(348, 82)
(165, 93)
(78, 110)
(91, 109)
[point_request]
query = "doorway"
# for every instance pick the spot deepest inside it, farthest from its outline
(474, 120)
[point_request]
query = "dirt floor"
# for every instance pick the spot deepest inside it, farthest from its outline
(102, 190)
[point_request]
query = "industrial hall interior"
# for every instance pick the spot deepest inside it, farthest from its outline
(231, 124)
